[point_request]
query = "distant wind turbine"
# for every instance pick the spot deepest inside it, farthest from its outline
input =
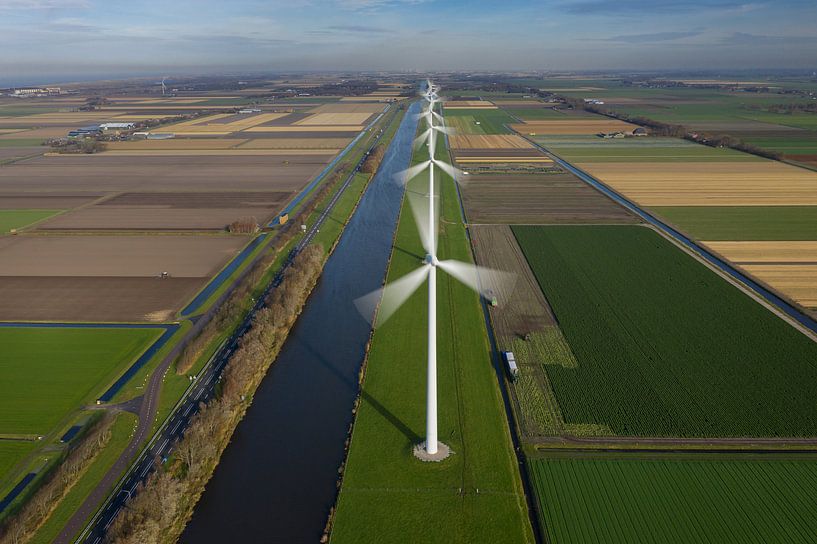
(163, 86)
(393, 295)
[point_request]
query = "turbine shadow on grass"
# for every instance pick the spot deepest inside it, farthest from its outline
(352, 384)
(409, 253)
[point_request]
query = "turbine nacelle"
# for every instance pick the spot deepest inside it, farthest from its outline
(431, 260)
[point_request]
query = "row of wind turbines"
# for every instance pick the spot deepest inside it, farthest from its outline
(425, 208)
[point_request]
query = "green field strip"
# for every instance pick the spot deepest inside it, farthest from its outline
(18, 219)
(491, 121)
(22, 142)
(49, 372)
(743, 222)
(387, 494)
(676, 501)
(691, 355)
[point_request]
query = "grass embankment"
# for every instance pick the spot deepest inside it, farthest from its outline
(689, 353)
(17, 219)
(743, 222)
(476, 494)
(676, 501)
(121, 432)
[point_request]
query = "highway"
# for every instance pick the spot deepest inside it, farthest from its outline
(162, 443)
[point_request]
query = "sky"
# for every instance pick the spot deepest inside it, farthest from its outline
(53, 40)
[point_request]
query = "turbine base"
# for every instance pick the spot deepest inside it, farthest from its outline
(420, 453)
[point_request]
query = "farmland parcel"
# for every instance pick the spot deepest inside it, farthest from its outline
(691, 354)
(676, 501)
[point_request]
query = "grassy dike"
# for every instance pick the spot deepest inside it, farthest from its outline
(476, 494)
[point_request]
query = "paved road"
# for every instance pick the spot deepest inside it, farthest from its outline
(163, 441)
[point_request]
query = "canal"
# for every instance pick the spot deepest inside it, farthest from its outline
(277, 479)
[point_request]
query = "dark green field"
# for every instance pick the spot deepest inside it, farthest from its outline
(743, 222)
(48, 372)
(665, 347)
(490, 121)
(676, 501)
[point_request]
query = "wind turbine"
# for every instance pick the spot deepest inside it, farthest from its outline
(163, 86)
(393, 295)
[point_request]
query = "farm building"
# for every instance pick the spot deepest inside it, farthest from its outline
(116, 126)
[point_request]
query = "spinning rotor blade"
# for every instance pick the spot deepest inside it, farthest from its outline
(406, 175)
(391, 296)
(452, 171)
(418, 201)
(485, 281)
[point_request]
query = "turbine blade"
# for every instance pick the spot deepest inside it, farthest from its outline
(488, 282)
(418, 202)
(391, 296)
(421, 139)
(404, 176)
(455, 173)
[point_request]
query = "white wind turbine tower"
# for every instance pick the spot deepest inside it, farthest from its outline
(393, 295)
(163, 86)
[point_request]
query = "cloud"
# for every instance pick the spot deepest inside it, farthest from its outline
(742, 38)
(373, 4)
(652, 38)
(43, 4)
(358, 28)
(640, 7)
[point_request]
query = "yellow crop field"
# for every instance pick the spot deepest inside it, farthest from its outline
(208, 125)
(516, 160)
(371, 107)
(796, 281)
(767, 252)
(177, 143)
(334, 119)
(470, 105)
(572, 126)
(329, 144)
(211, 152)
(766, 183)
(307, 128)
(488, 141)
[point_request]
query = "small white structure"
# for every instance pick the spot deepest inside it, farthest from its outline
(510, 361)
(117, 126)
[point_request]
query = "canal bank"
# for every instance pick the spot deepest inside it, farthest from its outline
(278, 476)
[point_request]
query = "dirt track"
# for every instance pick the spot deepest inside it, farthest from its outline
(524, 309)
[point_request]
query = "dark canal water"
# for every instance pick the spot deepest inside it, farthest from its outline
(276, 480)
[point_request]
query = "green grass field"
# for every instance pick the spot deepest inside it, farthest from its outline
(11, 453)
(490, 121)
(387, 494)
(48, 372)
(591, 148)
(743, 222)
(689, 354)
(676, 501)
(17, 219)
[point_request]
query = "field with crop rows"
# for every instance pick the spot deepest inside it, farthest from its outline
(690, 354)
(676, 501)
